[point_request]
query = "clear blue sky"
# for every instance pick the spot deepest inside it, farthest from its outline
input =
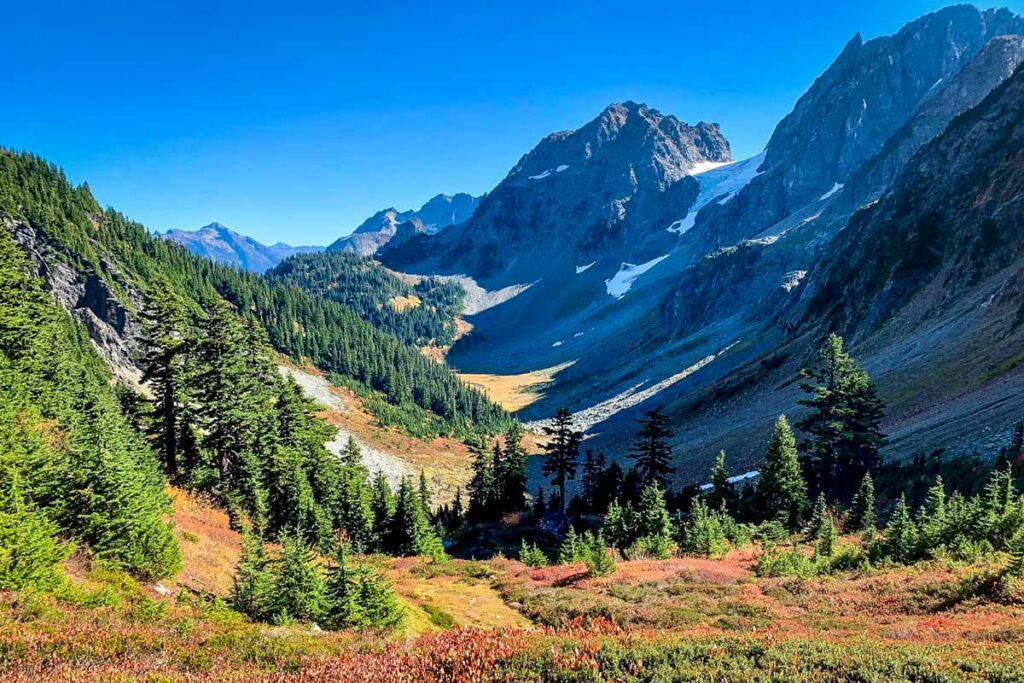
(294, 121)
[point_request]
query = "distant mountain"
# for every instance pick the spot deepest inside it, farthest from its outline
(220, 244)
(377, 230)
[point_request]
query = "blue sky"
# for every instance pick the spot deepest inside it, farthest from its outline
(294, 121)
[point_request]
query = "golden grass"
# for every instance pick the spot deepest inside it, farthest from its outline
(404, 303)
(513, 392)
(209, 546)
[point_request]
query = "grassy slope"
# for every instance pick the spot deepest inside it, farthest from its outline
(678, 619)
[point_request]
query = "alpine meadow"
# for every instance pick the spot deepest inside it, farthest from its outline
(648, 401)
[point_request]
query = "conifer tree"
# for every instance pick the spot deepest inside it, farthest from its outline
(702, 532)
(818, 514)
(297, 584)
(251, 587)
(826, 538)
(510, 471)
(723, 492)
(531, 555)
(781, 492)
(342, 597)
(164, 326)
(571, 551)
(481, 485)
(593, 470)
(382, 505)
(931, 520)
(540, 503)
(30, 550)
(651, 449)
(379, 602)
(599, 561)
(424, 492)
(562, 450)
(862, 510)
(842, 426)
(901, 535)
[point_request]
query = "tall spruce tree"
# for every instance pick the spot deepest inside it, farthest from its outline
(481, 487)
(862, 510)
(781, 492)
(510, 472)
(842, 425)
(562, 450)
(164, 325)
(651, 449)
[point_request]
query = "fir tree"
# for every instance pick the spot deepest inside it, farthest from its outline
(298, 590)
(931, 520)
(382, 506)
(510, 471)
(424, 492)
(481, 485)
(251, 587)
(562, 450)
(342, 596)
(818, 515)
(781, 492)
(30, 551)
(531, 555)
(901, 535)
(164, 325)
(651, 450)
(842, 425)
(598, 560)
(862, 510)
(723, 492)
(571, 551)
(540, 503)
(702, 532)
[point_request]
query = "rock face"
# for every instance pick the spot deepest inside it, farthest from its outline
(608, 188)
(90, 301)
(379, 229)
(871, 90)
(653, 272)
(218, 243)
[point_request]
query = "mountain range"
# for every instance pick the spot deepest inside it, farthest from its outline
(653, 268)
(220, 244)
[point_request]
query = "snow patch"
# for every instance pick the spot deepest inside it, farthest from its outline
(620, 283)
(557, 343)
(721, 181)
(588, 417)
(547, 173)
(580, 269)
(732, 480)
(578, 334)
(792, 279)
(835, 188)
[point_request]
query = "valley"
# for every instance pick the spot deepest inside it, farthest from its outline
(654, 405)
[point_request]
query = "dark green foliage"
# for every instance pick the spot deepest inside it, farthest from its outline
(531, 555)
(365, 287)
(68, 455)
(641, 531)
(599, 561)
(410, 391)
(900, 542)
(703, 532)
(572, 550)
(722, 495)
(29, 546)
(781, 492)
(562, 450)
(651, 450)
(842, 435)
(862, 510)
(410, 532)
(253, 582)
(358, 597)
(297, 585)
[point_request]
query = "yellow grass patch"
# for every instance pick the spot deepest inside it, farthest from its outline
(513, 392)
(404, 303)
(209, 546)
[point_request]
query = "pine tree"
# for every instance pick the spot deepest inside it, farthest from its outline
(826, 537)
(651, 450)
(251, 587)
(781, 492)
(931, 521)
(593, 470)
(164, 326)
(531, 555)
(379, 602)
(571, 551)
(30, 551)
(510, 474)
(842, 425)
(481, 485)
(562, 450)
(298, 590)
(818, 515)
(862, 510)
(382, 506)
(723, 492)
(342, 597)
(424, 492)
(540, 503)
(901, 535)
(599, 561)
(702, 532)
